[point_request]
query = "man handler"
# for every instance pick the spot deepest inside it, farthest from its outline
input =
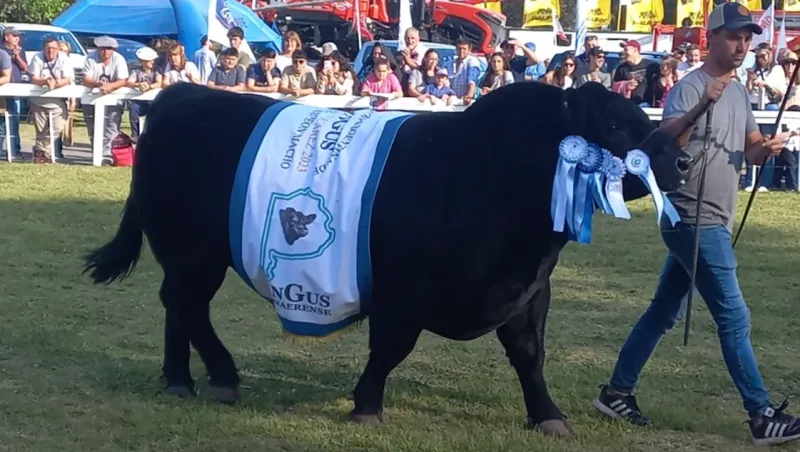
(735, 136)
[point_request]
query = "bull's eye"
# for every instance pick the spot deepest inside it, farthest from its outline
(612, 126)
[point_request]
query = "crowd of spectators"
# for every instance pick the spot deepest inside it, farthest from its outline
(416, 71)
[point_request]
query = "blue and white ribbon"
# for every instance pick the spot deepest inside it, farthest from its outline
(614, 172)
(638, 164)
(571, 150)
(584, 192)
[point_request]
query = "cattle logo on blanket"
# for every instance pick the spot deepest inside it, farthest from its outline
(300, 212)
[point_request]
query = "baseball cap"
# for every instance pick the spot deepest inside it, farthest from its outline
(146, 54)
(595, 51)
(328, 48)
(441, 71)
(11, 31)
(732, 16)
(105, 41)
(631, 43)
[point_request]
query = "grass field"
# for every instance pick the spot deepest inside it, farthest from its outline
(79, 363)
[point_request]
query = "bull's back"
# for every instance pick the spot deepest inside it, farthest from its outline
(185, 166)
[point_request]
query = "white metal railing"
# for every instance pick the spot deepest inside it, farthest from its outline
(100, 101)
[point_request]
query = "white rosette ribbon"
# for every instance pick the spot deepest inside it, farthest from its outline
(638, 164)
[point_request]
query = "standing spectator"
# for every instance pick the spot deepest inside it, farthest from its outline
(423, 75)
(19, 66)
(205, 60)
(291, 43)
(564, 75)
(692, 61)
(230, 75)
(52, 69)
(333, 77)
(144, 79)
(766, 82)
(633, 70)
(581, 60)
(439, 90)
(498, 74)
(465, 72)
(236, 37)
(593, 72)
(298, 79)
(518, 64)
(378, 50)
(178, 69)
(264, 76)
(414, 51)
(382, 81)
(5, 77)
(66, 134)
(659, 84)
(107, 71)
(535, 71)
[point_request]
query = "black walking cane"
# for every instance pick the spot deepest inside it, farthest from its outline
(793, 45)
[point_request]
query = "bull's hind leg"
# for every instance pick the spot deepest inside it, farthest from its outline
(391, 339)
(523, 339)
(186, 294)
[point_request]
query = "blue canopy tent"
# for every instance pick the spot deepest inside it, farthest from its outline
(184, 20)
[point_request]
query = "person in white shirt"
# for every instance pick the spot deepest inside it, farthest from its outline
(105, 70)
(766, 82)
(692, 62)
(178, 69)
(414, 51)
(51, 69)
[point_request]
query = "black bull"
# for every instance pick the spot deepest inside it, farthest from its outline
(461, 235)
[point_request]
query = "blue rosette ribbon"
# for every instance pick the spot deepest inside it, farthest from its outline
(599, 182)
(572, 150)
(615, 172)
(588, 167)
(638, 164)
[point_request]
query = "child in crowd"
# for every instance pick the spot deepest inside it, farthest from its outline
(439, 90)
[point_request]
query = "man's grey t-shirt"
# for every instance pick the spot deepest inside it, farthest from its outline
(5, 62)
(732, 120)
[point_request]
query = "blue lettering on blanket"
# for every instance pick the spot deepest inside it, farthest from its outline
(300, 211)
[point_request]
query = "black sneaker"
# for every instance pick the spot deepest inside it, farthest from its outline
(621, 407)
(774, 427)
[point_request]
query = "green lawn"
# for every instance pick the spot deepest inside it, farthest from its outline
(79, 363)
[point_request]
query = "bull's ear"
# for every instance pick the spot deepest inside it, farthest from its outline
(310, 218)
(574, 110)
(282, 214)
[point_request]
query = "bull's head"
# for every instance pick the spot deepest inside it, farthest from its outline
(619, 125)
(294, 224)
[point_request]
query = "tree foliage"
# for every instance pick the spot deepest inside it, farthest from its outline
(32, 11)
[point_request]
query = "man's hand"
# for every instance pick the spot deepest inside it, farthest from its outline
(51, 83)
(105, 88)
(775, 145)
(713, 91)
(296, 92)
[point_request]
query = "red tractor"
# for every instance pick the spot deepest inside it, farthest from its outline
(319, 21)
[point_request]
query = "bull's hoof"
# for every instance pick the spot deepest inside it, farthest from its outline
(368, 419)
(226, 396)
(555, 427)
(183, 392)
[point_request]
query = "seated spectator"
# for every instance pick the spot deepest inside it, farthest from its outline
(382, 81)
(236, 37)
(423, 75)
(291, 44)
(464, 72)
(519, 64)
(766, 81)
(107, 71)
(378, 51)
(692, 61)
(788, 61)
(497, 74)
(332, 77)
(593, 72)
(144, 79)
(230, 75)
(660, 83)
(439, 91)
(298, 79)
(52, 69)
(177, 68)
(414, 51)
(264, 76)
(563, 76)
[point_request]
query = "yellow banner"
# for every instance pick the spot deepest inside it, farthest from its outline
(491, 5)
(538, 13)
(641, 13)
(693, 9)
(791, 5)
(600, 14)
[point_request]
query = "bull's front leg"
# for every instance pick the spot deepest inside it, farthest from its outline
(523, 339)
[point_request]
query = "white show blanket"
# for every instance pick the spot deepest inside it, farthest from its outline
(300, 212)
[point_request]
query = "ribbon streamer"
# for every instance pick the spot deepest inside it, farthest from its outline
(571, 150)
(638, 164)
(584, 193)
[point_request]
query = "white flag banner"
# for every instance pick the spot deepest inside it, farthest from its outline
(582, 21)
(781, 44)
(220, 20)
(404, 24)
(767, 23)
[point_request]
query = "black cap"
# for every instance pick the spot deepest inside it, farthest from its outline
(732, 16)
(595, 51)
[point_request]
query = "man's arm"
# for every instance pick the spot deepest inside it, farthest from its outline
(684, 106)
(5, 76)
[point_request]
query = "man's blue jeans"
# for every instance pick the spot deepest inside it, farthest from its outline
(13, 105)
(717, 284)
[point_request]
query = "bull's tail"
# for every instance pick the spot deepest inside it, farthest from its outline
(117, 259)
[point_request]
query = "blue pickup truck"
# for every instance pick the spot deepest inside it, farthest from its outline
(447, 54)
